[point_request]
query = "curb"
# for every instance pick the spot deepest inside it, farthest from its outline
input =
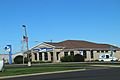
(25, 75)
(106, 66)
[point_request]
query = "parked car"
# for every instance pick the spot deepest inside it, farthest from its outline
(107, 57)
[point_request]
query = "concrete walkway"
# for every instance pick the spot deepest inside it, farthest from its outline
(106, 66)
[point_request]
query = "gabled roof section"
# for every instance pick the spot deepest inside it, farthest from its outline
(42, 45)
(72, 44)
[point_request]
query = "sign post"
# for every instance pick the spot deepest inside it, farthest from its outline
(8, 48)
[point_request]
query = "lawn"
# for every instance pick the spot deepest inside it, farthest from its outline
(31, 70)
(41, 68)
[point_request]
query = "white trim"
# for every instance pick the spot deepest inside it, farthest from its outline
(42, 44)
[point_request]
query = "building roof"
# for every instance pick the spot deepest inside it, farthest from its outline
(74, 44)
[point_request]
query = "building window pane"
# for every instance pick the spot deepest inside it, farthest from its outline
(35, 56)
(102, 51)
(91, 52)
(46, 56)
(98, 51)
(106, 51)
(72, 53)
(57, 55)
(51, 55)
(40, 55)
(114, 50)
(85, 54)
(107, 56)
(66, 53)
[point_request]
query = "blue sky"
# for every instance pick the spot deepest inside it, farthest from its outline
(58, 20)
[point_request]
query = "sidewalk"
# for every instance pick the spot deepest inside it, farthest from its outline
(106, 65)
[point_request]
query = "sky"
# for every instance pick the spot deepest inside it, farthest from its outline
(58, 20)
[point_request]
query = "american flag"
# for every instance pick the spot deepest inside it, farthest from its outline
(25, 39)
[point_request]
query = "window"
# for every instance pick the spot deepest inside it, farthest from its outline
(107, 56)
(57, 55)
(114, 50)
(51, 55)
(85, 54)
(81, 53)
(72, 53)
(103, 56)
(35, 56)
(102, 51)
(98, 51)
(106, 51)
(46, 56)
(91, 52)
(40, 55)
(66, 53)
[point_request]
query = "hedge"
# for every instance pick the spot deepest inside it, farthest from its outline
(73, 58)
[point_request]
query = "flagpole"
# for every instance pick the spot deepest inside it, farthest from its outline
(26, 39)
(22, 49)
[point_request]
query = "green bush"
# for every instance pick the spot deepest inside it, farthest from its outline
(68, 58)
(78, 58)
(19, 59)
(71, 58)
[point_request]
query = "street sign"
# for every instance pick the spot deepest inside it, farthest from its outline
(8, 48)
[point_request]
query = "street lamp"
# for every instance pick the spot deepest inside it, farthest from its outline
(26, 40)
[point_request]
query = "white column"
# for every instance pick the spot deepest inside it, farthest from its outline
(88, 56)
(61, 54)
(38, 56)
(68, 52)
(59, 57)
(33, 57)
(75, 52)
(49, 56)
(54, 56)
(43, 56)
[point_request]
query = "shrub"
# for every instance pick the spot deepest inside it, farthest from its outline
(68, 58)
(71, 58)
(78, 58)
(96, 60)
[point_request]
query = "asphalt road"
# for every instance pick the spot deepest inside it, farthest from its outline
(99, 74)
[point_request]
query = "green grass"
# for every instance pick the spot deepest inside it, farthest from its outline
(30, 70)
(65, 65)
(12, 70)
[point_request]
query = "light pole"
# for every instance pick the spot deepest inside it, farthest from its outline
(26, 40)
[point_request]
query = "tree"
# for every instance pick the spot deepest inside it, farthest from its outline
(19, 59)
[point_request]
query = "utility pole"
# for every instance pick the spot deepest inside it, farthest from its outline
(26, 41)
